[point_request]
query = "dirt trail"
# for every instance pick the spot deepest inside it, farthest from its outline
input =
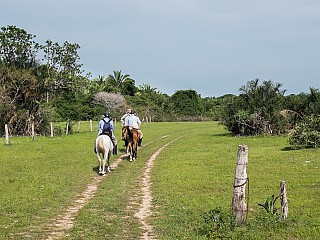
(145, 210)
(65, 221)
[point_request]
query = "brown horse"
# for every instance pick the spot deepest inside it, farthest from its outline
(131, 137)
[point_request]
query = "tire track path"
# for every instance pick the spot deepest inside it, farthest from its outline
(61, 223)
(65, 221)
(145, 210)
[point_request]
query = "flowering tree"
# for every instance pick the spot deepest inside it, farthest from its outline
(112, 101)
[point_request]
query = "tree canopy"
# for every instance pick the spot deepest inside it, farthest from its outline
(45, 82)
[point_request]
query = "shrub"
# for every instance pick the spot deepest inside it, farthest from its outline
(306, 134)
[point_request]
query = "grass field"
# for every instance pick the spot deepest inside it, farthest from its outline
(192, 175)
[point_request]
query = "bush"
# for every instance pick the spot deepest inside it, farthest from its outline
(306, 134)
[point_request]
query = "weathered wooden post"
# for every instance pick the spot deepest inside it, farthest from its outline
(7, 133)
(51, 129)
(79, 123)
(283, 199)
(239, 206)
(32, 131)
(90, 125)
(67, 127)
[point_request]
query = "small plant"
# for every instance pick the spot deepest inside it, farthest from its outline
(217, 225)
(269, 204)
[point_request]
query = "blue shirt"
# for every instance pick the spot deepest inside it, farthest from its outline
(101, 123)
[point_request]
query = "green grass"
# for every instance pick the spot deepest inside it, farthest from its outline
(192, 175)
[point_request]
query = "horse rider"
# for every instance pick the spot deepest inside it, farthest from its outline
(134, 121)
(123, 121)
(107, 119)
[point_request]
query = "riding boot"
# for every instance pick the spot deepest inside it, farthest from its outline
(94, 149)
(115, 151)
(140, 142)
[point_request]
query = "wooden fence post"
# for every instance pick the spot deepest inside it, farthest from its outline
(90, 125)
(32, 131)
(51, 129)
(7, 133)
(67, 127)
(79, 126)
(239, 206)
(283, 199)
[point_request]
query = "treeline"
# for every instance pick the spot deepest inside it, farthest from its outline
(45, 82)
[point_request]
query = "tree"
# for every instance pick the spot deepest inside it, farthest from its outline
(25, 81)
(257, 109)
(129, 87)
(21, 94)
(187, 103)
(117, 80)
(62, 62)
(17, 48)
(113, 102)
(313, 102)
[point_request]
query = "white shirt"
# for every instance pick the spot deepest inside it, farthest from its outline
(132, 121)
(123, 119)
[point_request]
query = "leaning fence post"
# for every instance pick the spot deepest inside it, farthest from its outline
(239, 206)
(283, 199)
(7, 133)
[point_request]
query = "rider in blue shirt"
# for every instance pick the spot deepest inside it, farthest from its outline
(106, 119)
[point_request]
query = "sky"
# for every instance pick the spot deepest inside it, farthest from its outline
(211, 46)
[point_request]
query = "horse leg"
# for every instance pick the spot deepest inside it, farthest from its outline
(104, 165)
(130, 151)
(100, 161)
(134, 149)
(127, 147)
(108, 159)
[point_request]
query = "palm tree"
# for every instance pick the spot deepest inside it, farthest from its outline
(117, 79)
(146, 88)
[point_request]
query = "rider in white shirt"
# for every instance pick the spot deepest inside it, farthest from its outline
(135, 122)
(123, 118)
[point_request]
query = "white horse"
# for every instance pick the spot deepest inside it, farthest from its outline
(104, 146)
